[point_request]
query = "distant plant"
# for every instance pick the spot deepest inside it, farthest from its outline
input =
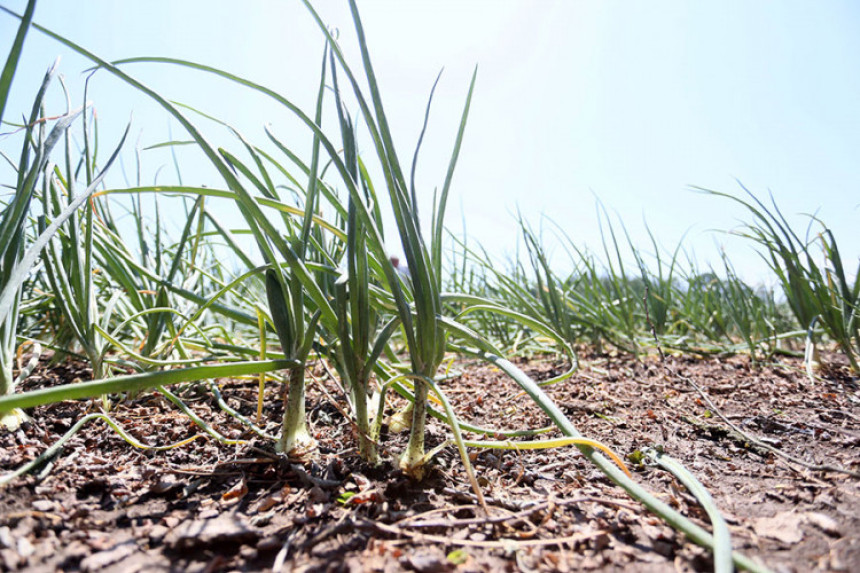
(19, 250)
(814, 291)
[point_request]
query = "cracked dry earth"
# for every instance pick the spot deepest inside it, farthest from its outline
(103, 505)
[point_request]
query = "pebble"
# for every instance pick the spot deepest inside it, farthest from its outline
(44, 505)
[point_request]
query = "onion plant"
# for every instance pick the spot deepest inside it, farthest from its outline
(750, 314)
(285, 292)
(660, 287)
(12, 223)
(812, 290)
(359, 320)
(17, 262)
(596, 302)
(68, 259)
(425, 335)
(469, 273)
(161, 281)
(16, 257)
(702, 305)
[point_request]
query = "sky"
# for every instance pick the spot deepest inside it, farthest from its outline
(628, 104)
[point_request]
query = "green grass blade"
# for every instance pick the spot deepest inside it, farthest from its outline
(14, 55)
(438, 225)
(138, 382)
(722, 537)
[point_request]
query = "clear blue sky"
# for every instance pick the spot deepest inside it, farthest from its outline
(628, 102)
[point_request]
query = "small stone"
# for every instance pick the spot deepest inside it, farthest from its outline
(247, 552)
(664, 548)
(318, 495)
(157, 533)
(99, 561)
(270, 543)
(166, 484)
(226, 528)
(6, 539)
(825, 523)
(24, 547)
(44, 505)
(9, 560)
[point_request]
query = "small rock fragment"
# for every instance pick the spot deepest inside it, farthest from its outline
(102, 559)
(24, 547)
(784, 527)
(825, 523)
(318, 495)
(270, 543)
(6, 539)
(44, 505)
(226, 528)
(165, 484)
(157, 533)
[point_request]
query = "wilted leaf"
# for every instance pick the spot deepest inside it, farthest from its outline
(458, 557)
(236, 492)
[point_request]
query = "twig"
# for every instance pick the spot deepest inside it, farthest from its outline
(506, 544)
(281, 557)
(518, 516)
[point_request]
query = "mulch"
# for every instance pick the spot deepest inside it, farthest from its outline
(102, 505)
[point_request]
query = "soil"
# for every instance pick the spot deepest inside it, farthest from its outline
(103, 505)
